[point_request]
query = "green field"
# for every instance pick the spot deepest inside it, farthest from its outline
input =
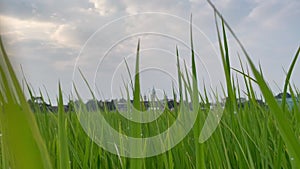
(252, 136)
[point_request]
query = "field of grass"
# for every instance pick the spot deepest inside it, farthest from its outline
(253, 136)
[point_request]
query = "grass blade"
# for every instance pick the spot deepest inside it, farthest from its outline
(24, 144)
(287, 79)
(62, 134)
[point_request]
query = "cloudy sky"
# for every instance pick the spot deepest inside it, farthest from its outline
(52, 40)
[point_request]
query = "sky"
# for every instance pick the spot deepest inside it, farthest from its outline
(52, 40)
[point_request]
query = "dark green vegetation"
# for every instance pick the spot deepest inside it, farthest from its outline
(250, 137)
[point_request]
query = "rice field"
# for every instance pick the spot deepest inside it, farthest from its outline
(250, 136)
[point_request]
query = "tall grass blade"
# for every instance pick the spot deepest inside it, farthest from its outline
(24, 144)
(137, 163)
(137, 90)
(200, 162)
(287, 79)
(64, 160)
(179, 77)
(231, 101)
(128, 70)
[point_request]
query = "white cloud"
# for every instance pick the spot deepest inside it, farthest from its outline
(65, 36)
(178, 7)
(58, 35)
(106, 7)
(25, 29)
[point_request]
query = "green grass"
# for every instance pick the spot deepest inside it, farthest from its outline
(21, 143)
(251, 137)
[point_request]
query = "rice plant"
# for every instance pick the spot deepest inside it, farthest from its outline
(251, 134)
